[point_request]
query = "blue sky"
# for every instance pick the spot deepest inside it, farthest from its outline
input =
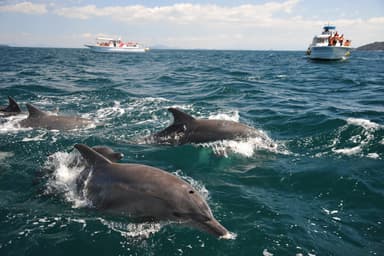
(254, 25)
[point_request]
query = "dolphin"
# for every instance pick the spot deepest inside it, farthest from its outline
(187, 129)
(142, 191)
(12, 108)
(84, 174)
(40, 119)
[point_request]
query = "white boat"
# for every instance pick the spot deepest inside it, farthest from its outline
(104, 44)
(329, 45)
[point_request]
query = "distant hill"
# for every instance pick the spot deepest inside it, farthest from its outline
(376, 46)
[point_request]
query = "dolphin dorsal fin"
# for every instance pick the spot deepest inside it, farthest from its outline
(179, 117)
(34, 111)
(13, 106)
(92, 157)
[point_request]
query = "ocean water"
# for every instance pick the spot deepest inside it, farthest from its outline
(318, 191)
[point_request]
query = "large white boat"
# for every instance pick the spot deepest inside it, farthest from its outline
(104, 44)
(329, 45)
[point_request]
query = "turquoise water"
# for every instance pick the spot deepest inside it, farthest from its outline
(318, 191)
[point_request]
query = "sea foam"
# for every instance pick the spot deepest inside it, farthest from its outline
(361, 136)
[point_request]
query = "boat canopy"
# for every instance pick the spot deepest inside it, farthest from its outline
(107, 39)
(329, 27)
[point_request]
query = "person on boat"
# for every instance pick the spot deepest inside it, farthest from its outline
(341, 39)
(336, 39)
(331, 41)
(347, 43)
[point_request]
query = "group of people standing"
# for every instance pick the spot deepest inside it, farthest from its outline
(335, 38)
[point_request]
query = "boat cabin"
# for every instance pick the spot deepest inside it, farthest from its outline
(330, 37)
(321, 40)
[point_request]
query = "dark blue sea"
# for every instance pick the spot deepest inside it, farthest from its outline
(318, 191)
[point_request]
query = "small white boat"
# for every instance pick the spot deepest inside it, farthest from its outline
(329, 45)
(104, 44)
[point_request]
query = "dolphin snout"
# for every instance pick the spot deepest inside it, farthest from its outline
(215, 228)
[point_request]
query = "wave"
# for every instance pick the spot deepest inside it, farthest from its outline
(358, 137)
(5, 155)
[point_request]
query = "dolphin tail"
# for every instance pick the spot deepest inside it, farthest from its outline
(12, 106)
(92, 157)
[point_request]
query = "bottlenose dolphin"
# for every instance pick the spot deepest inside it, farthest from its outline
(106, 152)
(40, 119)
(187, 129)
(12, 108)
(142, 191)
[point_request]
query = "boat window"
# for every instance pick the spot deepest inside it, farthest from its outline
(321, 40)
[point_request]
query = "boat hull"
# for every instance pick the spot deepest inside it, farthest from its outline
(96, 48)
(329, 52)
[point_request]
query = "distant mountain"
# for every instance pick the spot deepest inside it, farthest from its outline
(376, 46)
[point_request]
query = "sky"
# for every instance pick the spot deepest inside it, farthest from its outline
(189, 24)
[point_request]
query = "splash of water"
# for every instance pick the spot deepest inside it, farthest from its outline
(133, 230)
(66, 168)
(10, 124)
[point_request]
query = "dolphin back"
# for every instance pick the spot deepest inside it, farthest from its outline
(93, 158)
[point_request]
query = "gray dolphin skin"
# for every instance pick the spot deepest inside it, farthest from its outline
(40, 119)
(142, 191)
(108, 153)
(187, 129)
(83, 176)
(12, 108)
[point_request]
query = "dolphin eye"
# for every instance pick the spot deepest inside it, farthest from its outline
(177, 215)
(191, 191)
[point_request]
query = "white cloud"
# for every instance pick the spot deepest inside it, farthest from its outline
(376, 20)
(25, 7)
(184, 13)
